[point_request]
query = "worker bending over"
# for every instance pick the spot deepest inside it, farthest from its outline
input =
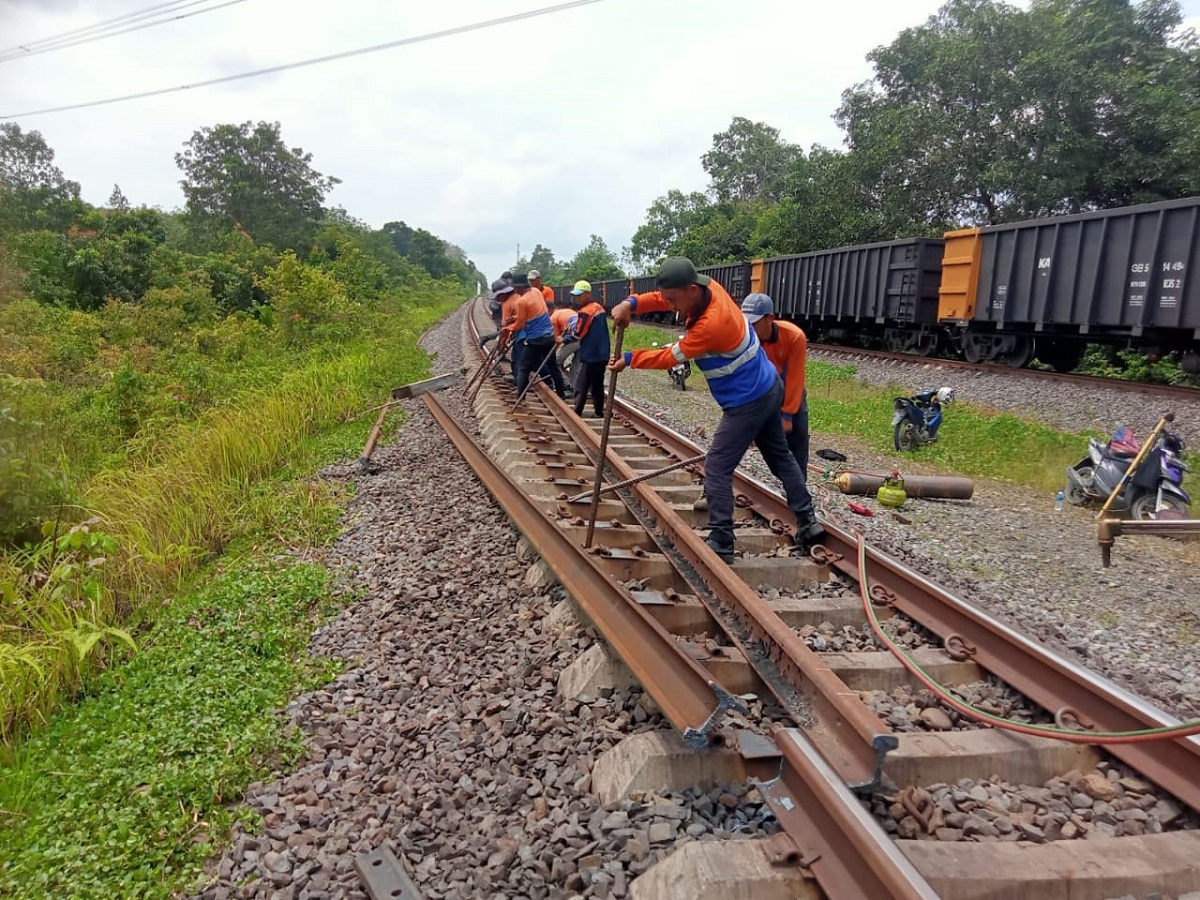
(531, 326)
(743, 382)
(787, 348)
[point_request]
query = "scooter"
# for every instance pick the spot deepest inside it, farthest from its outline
(1155, 486)
(916, 419)
(679, 372)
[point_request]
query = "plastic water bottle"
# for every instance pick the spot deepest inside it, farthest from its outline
(1058, 502)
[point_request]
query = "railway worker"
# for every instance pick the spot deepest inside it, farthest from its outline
(591, 333)
(743, 382)
(561, 318)
(501, 288)
(569, 343)
(535, 280)
(787, 348)
(530, 328)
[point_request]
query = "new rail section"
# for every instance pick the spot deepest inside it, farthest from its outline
(812, 772)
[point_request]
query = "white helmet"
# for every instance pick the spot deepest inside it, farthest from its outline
(945, 396)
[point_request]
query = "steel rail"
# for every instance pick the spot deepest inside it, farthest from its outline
(847, 733)
(689, 696)
(825, 827)
(829, 833)
(1117, 384)
(1047, 678)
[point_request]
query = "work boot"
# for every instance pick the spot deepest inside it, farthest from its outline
(725, 551)
(701, 504)
(808, 531)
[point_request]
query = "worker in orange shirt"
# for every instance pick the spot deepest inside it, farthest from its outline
(535, 281)
(787, 348)
(745, 385)
(530, 329)
(561, 319)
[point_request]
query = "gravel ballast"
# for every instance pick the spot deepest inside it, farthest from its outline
(1011, 554)
(444, 737)
(1063, 405)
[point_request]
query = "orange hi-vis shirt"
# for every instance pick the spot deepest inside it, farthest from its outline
(548, 293)
(722, 343)
(530, 316)
(559, 319)
(508, 307)
(787, 348)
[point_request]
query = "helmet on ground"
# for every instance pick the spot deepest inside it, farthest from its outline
(945, 396)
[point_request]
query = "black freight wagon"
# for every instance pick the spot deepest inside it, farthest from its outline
(1057, 283)
(887, 290)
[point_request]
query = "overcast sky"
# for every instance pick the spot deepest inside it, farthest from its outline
(541, 131)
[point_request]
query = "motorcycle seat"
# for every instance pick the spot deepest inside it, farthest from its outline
(1121, 450)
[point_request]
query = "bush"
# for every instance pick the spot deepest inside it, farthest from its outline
(30, 491)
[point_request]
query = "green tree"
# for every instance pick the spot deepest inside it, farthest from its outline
(727, 236)
(244, 175)
(825, 203)
(668, 219)
(34, 193)
(747, 161)
(595, 262)
(117, 199)
(401, 236)
(988, 113)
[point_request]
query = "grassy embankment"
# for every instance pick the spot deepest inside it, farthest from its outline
(123, 793)
(974, 441)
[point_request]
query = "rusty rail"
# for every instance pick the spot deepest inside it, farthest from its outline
(825, 827)
(1048, 679)
(827, 831)
(690, 698)
(849, 735)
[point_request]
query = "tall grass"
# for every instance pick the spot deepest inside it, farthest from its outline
(156, 519)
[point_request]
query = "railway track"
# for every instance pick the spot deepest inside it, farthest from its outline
(1174, 391)
(702, 638)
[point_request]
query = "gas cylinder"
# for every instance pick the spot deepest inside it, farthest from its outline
(891, 492)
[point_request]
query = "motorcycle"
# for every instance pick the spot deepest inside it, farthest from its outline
(916, 419)
(1155, 486)
(679, 372)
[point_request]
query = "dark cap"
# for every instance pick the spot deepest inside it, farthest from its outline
(678, 271)
(500, 287)
(520, 280)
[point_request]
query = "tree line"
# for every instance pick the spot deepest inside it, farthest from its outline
(985, 114)
(238, 180)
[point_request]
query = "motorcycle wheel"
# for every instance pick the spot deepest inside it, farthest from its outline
(904, 436)
(1077, 494)
(1144, 506)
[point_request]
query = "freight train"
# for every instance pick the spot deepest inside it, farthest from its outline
(1042, 289)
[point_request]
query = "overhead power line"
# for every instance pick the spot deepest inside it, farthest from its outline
(99, 34)
(361, 51)
(157, 9)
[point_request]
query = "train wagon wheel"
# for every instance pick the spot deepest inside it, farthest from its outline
(1021, 354)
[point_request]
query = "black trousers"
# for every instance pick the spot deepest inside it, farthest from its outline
(590, 379)
(532, 355)
(757, 422)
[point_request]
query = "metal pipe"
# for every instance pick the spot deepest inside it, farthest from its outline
(603, 457)
(608, 489)
(937, 486)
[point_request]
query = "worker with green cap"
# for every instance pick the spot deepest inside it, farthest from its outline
(743, 381)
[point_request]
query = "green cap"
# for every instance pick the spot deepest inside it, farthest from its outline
(678, 271)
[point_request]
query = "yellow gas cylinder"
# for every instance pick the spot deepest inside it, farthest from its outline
(891, 492)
